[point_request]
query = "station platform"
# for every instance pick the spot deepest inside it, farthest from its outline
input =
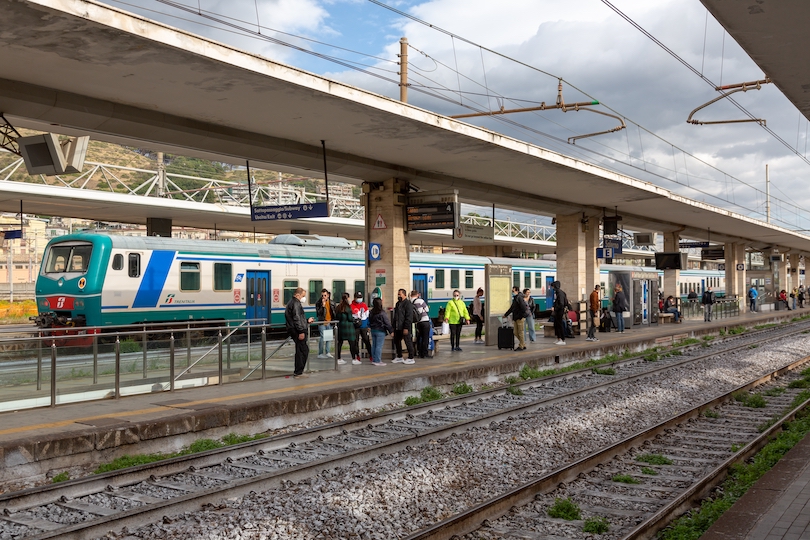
(777, 507)
(36, 442)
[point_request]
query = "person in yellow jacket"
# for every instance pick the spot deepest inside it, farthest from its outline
(456, 314)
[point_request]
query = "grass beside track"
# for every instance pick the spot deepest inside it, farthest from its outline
(743, 475)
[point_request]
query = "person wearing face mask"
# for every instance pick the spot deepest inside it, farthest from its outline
(297, 322)
(457, 315)
(403, 323)
(326, 311)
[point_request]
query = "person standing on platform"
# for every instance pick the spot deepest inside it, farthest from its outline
(801, 296)
(297, 325)
(424, 328)
(325, 310)
(619, 307)
(346, 331)
(752, 299)
(478, 316)
(518, 311)
(794, 294)
(560, 309)
(403, 323)
(456, 314)
(360, 314)
(708, 301)
(593, 314)
(380, 327)
(529, 321)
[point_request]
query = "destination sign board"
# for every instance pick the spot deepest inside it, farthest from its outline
(474, 233)
(613, 243)
(426, 216)
(712, 254)
(289, 211)
(687, 245)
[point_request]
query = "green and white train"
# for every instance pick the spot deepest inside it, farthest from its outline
(99, 280)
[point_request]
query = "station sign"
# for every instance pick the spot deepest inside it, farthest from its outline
(427, 216)
(689, 245)
(605, 253)
(712, 254)
(474, 233)
(613, 243)
(374, 252)
(289, 211)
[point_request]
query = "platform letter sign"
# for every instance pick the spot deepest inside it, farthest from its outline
(374, 252)
(289, 211)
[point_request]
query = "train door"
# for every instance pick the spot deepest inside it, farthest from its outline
(420, 284)
(258, 296)
(549, 292)
(638, 301)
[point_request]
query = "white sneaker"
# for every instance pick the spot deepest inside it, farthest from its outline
(408, 361)
(356, 362)
(341, 362)
(329, 355)
(322, 356)
(590, 339)
(378, 363)
(559, 342)
(399, 360)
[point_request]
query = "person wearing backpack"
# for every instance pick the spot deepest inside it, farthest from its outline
(424, 328)
(457, 315)
(518, 312)
(752, 299)
(708, 302)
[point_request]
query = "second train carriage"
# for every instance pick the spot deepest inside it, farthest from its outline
(92, 279)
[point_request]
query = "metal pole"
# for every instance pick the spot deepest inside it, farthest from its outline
(53, 374)
(403, 70)
(39, 361)
(264, 351)
(188, 346)
(219, 352)
(229, 353)
(767, 195)
(143, 345)
(117, 366)
(171, 363)
(95, 358)
(248, 345)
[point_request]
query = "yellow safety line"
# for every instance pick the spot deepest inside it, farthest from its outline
(226, 398)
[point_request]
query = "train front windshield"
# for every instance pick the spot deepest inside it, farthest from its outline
(68, 259)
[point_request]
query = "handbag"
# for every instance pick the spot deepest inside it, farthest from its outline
(328, 334)
(445, 327)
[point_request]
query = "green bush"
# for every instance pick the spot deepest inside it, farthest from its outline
(129, 346)
(511, 380)
(711, 413)
(596, 525)
(654, 459)
(605, 371)
(61, 477)
(800, 383)
(412, 400)
(650, 471)
(462, 388)
(515, 391)
(527, 373)
(564, 509)
(430, 393)
(625, 479)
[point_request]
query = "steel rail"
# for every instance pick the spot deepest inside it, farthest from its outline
(193, 501)
(471, 519)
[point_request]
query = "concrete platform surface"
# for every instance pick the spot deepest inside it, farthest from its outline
(36, 441)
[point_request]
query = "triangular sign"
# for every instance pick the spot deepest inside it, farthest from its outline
(380, 223)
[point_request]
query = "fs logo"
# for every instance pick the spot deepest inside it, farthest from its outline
(169, 299)
(60, 302)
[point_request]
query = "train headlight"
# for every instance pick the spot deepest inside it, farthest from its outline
(79, 304)
(44, 303)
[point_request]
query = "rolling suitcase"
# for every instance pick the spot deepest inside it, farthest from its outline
(506, 337)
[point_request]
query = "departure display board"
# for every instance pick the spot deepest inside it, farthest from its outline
(432, 215)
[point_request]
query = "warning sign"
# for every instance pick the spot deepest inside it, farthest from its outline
(237, 296)
(379, 223)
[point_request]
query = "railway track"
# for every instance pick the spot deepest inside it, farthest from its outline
(89, 507)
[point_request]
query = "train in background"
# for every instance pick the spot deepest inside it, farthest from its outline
(98, 280)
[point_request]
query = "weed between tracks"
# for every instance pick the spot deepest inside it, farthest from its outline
(743, 475)
(200, 445)
(596, 525)
(564, 509)
(625, 479)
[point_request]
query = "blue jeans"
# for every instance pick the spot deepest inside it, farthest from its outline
(530, 328)
(677, 315)
(323, 346)
(619, 322)
(377, 339)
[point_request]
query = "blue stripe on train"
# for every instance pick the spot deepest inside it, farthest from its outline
(153, 279)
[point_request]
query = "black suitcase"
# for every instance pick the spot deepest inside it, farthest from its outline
(506, 337)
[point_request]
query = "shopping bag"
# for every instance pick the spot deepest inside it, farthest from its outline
(328, 334)
(445, 327)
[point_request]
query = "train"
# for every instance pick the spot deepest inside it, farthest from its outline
(100, 280)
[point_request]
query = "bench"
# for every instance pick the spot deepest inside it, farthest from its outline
(436, 339)
(665, 318)
(548, 329)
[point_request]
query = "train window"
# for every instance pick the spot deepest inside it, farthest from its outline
(314, 294)
(516, 279)
(454, 279)
(290, 285)
(134, 264)
(527, 280)
(538, 280)
(338, 288)
(360, 286)
(223, 273)
(68, 259)
(440, 279)
(468, 279)
(189, 276)
(118, 262)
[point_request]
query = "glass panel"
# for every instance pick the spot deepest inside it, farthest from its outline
(515, 279)
(440, 279)
(360, 286)
(118, 262)
(315, 288)
(222, 276)
(338, 288)
(454, 279)
(538, 281)
(68, 259)
(262, 292)
(289, 289)
(527, 280)
(134, 266)
(468, 279)
(189, 276)
(250, 291)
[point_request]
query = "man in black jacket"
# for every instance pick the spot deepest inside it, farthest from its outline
(297, 323)
(518, 311)
(708, 301)
(560, 310)
(403, 323)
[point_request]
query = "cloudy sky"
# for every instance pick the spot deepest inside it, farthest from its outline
(520, 49)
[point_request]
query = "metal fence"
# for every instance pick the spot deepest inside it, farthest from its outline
(722, 309)
(45, 369)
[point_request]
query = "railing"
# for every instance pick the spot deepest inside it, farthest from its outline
(46, 368)
(722, 308)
